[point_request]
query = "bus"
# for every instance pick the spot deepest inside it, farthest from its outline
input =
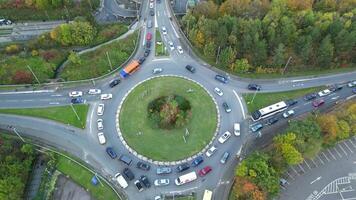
(186, 178)
(129, 69)
(269, 110)
(208, 195)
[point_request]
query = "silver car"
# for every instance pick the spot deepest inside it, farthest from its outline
(161, 182)
(164, 170)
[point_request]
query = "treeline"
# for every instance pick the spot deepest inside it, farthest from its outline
(261, 35)
(258, 176)
(39, 4)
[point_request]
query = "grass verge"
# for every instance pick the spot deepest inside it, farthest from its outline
(63, 114)
(264, 99)
(160, 48)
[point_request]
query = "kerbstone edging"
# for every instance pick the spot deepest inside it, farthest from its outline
(167, 163)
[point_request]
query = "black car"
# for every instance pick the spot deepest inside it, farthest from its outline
(138, 185)
(148, 44)
(145, 181)
(291, 102)
(335, 88)
(114, 83)
(190, 68)
(310, 96)
(272, 120)
(147, 52)
(110, 151)
(141, 60)
(77, 100)
(221, 78)
(226, 107)
(253, 86)
(128, 174)
(182, 167)
(152, 12)
(143, 166)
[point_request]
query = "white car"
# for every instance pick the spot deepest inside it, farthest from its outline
(218, 91)
(94, 91)
(101, 138)
(164, 30)
(237, 129)
(171, 45)
(351, 84)
(288, 113)
(161, 182)
(106, 96)
(100, 124)
(180, 50)
(211, 151)
(222, 139)
(324, 93)
(157, 70)
(76, 94)
(100, 110)
(151, 4)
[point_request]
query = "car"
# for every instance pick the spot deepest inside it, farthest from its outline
(283, 182)
(152, 12)
(100, 124)
(149, 24)
(163, 170)
(205, 171)
(94, 91)
(145, 181)
(324, 93)
(110, 151)
(141, 60)
(114, 82)
(253, 86)
(237, 129)
(180, 50)
(121, 180)
(318, 102)
(222, 139)
(161, 182)
(138, 185)
(77, 100)
(148, 45)
(5, 21)
(105, 96)
(147, 52)
(100, 110)
(151, 5)
(256, 127)
(197, 161)
(101, 138)
(221, 78)
(224, 157)
(76, 94)
(182, 167)
(291, 102)
(354, 90)
(125, 159)
(157, 70)
(211, 151)
(218, 91)
(288, 113)
(143, 166)
(272, 120)
(351, 84)
(148, 36)
(158, 197)
(310, 96)
(226, 107)
(129, 174)
(190, 68)
(335, 88)
(164, 30)
(171, 45)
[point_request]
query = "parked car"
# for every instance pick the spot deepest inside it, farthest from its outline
(114, 82)
(110, 151)
(224, 157)
(78, 100)
(180, 50)
(100, 124)
(94, 91)
(272, 120)
(101, 138)
(143, 166)
(164, 30)
(171, 45)
(147, 52)
(145, 181)
(226, 107)
(218, 91)
(256, 127)
(163, 170)
(75, 94)
(351, 84)
(138, 185)
(288, 113)
(197, 161)
(182, 167)
(100, 110)
(310, 96)
(211, 151)
(253, 86)
(324, 92)
(205, 171)
(222, 139)
(161, 182)
(291, 102)
(121, 180)
(221, 78)
(152, 12)
(141, 60)
(157, 70)
(129, 174)
(319, 102)
(105, 96)
(237, 129)
(125, 159)
(190, 68)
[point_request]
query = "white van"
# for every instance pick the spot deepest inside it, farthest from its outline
(121, 180)
(237, 129)
(100, 110)
(186, 178)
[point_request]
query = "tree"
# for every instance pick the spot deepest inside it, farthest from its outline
(227, 57)
(329, 127)
(344, 130)
(83, 33)
(27, 149)
(22, 77)
(74, 58)
(279, 57)
(325, 52)
(291, 154)
(210, 49)
(241, 66)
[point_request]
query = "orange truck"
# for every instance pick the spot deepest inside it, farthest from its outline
(129, 69)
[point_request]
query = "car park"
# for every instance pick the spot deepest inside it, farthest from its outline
(100, 124)
(125, 159)
(197, 161)
(105, 96)
(94, 91)
(288, 113)
(110, 151)
(324, 93)
(161, 182)
(164, 30)
(148, 36)
(218, 91)
(291, 102)
(237, 129)
(145, 181)
(129, 174)
(121, 180)
(253, 86)
(114, 82)
(190, 68)
(152, 12)
(351, 84)
(222, 139)
(141, 60)
(157, 70)
(78, 100)
(318, 102)
(205, 171)
(256, 127)
(147, 52)
(143, 166)
(310, 96)
(272, 120)
(221, 78)
(224, 157)
(211, 151)
(163, 170)
(76, 94)
(138, 185)
(101, 138)
(100, 110)
(180, 50)
(182, 167)
(226, 107)
(171, 45)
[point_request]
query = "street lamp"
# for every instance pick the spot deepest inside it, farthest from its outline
(28, 66)
(14, 129)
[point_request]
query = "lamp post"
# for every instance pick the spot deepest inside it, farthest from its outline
(28, 66)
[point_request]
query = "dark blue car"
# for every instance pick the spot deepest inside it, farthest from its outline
(111, 152)
(197, 161)
(77, 100)
(221, 78)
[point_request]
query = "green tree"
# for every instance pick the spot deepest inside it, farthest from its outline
(74, 58)
(279, 55)
(210, 49)
(291, 154)
(83, 33)
(344, 130)
(27, 149)
(227, 57)
(325, 52)
(242, 66)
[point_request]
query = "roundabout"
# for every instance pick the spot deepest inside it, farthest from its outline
(184, 123)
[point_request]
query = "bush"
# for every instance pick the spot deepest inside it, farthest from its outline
(12, 49)
(76, 33)
(22, 77)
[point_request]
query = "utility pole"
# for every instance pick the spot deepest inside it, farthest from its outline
(28, 66)
(107, 55)
(285, 67)
(14, 129)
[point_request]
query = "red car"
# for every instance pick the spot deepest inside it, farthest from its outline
(148, 36)
(318, 102)
(205, 171)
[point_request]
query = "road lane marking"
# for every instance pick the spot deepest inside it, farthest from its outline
(315, 180)
(337, 152)
(290, 176)
(158, 13)
(309, 102)
(320, 159)
(342, 149)
(240, 102)
(332, 155)
(352, 144)
(28, 100)
(53, 103)
(56, 95)
(301, 168)
(325, 156)
(314, 163)
(307, 164)
(344, 142)
(295, 171)
(28, 92)
(301, 80)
